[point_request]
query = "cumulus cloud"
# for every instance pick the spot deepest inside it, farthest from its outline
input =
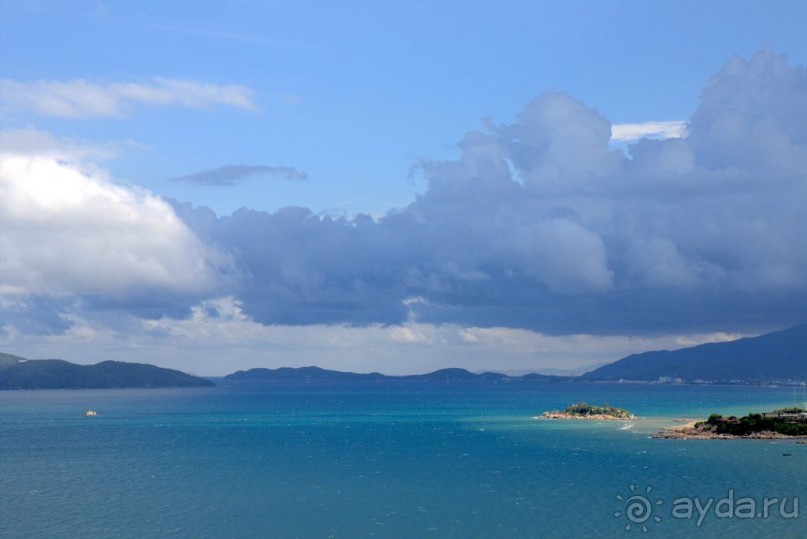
(233, 174)
(752, 115)
(65, 231)
(538, 224)
(83, 99)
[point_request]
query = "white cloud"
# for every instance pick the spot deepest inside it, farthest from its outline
(654, 130)
(82, 99)
(65, 230)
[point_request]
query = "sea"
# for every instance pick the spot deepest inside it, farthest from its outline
(404, 459)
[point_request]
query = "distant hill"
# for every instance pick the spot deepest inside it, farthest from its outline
(318, 374)
(781, 355)
(302, 373)
(58, 374)
(7, 360)
(456, 374)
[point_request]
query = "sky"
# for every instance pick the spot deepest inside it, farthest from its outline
(398, 186)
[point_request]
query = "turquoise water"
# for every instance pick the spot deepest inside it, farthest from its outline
(393, 459)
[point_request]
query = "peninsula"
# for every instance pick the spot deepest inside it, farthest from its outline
(785, 423)
(582, 410)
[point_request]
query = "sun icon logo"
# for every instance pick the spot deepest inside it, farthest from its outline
(638, 509)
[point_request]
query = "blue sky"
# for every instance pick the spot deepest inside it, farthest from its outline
(350, 108)
(356, 93)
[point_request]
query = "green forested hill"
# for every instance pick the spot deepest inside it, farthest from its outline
(59, 374)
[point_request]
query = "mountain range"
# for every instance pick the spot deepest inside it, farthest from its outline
(311, 374)
(780, 355)
(777, 356)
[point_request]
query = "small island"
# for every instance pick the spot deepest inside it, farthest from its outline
(582, 410)
(784, 423)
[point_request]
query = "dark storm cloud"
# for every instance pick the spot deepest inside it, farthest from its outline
(540, 224)
(35, 315)
(233, 174)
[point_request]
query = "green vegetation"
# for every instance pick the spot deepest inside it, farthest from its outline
(584, 409)
(788, 425)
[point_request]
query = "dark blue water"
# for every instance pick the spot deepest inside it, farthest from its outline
(382, 460)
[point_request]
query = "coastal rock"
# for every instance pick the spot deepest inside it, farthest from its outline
(683, 433)
(783, 424)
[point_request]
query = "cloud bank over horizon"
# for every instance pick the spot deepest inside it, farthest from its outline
(539, 224)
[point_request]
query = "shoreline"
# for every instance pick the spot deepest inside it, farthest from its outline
(688, 431)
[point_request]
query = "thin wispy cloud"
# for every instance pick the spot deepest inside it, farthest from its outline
(233, 174)
(79, 98)
(653, 130)
(34, 142)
